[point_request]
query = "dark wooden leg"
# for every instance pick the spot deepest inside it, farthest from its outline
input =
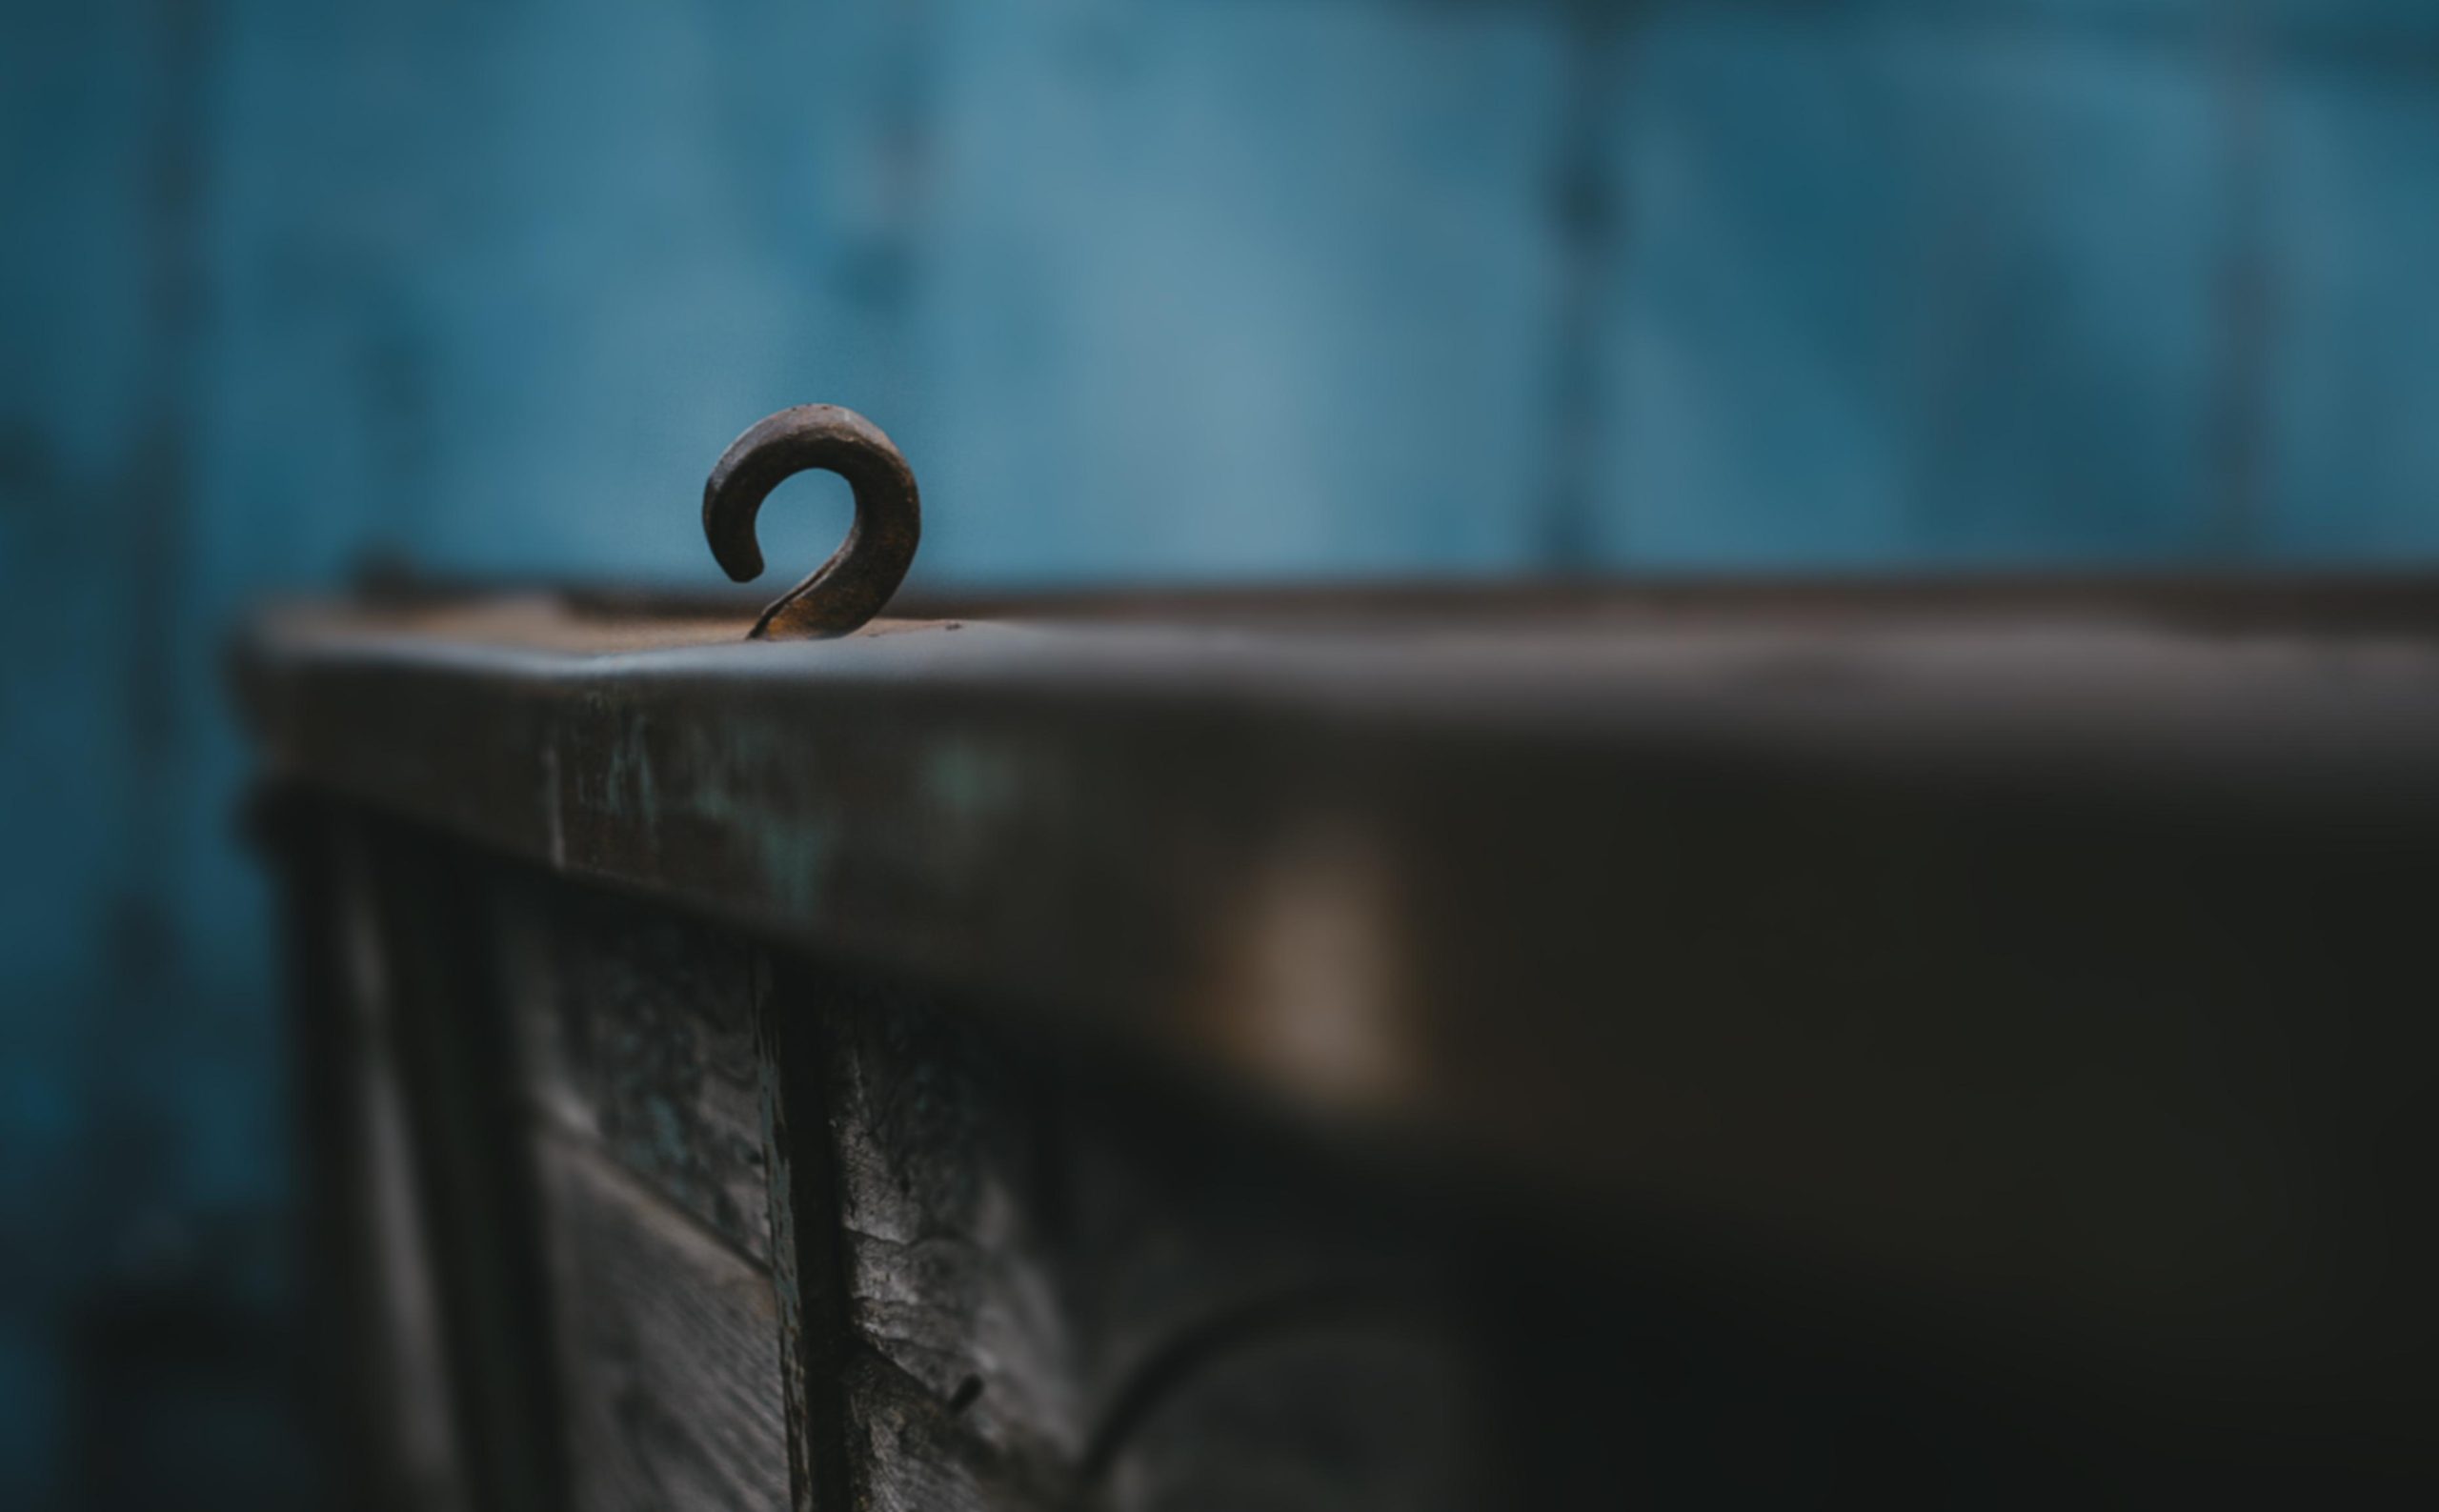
(475, 1188)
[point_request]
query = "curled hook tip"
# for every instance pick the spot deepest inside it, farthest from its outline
(741, 560)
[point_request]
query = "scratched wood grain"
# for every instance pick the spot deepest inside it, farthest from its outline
(668, 1346)
(1057, 1287)
(637, 1030)
(962, 1391)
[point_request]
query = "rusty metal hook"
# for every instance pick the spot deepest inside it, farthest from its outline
(858, 579)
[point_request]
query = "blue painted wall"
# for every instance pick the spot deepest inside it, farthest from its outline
(1148, 288)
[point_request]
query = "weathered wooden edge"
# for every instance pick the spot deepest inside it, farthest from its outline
(1373, 898)
(777, 787)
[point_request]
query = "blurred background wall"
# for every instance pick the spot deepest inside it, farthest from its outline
(1151, 290)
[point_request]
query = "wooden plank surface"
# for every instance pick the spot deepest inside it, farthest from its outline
(960, 1390)
(1063, 1289)
(636, 1028)
(669, 1347)
(1021, 1273)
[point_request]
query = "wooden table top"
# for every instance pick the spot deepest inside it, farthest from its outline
(2046, 944)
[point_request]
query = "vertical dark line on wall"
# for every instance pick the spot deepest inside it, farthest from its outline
(158, 480)
(906, 111)
(397, 421)
(2238, 416)
(148, 1304)
(1585, 225)
(884, 273)
(147, 526)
